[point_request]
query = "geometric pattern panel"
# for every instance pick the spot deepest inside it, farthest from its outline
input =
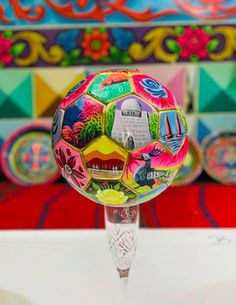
(16, 94)
(51, 85)
(209, 123)
(217, 88)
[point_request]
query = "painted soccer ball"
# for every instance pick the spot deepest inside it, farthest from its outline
(119, 137)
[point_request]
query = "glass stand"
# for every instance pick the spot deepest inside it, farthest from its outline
(122, 225)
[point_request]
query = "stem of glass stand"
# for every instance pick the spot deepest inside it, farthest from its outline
(122, 226)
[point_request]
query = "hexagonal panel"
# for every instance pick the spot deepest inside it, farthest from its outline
(110, 192)
(56, 126)
(71, 165)
(151, 166)
(131, 122)
(82, 122)
(154, 92)
(107, 87)
(105, 159)
(78, 90)
(171, 130)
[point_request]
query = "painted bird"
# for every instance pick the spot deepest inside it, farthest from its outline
(145, 175)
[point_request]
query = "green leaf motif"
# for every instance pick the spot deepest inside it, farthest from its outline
(75, 53)
(96, 186)
(102, 30)
(126, 59)
(179, 30)
(194, 58)
(117, 187)
(83, 61)
(89, 30)
(173, 46)
(212, 45)
(17, 49)
(107, 59)
(194, 26)
(208, 29)
(1, 65)
(65, 62)
(8, 34)
(115, 52)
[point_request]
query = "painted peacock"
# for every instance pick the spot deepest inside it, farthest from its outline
(145, 175)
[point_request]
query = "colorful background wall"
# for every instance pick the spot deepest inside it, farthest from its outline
(47, 46)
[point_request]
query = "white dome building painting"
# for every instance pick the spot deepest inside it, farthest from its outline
(131, 123)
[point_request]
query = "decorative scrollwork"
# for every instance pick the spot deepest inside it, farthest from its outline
(191, 43)
(154, 39)
(68, 47)
(68, 11)
(228, 34)
(3, 18)
(24, 13)
(37, 49)
(82, 10)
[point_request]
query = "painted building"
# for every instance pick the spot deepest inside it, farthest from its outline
(131, 125)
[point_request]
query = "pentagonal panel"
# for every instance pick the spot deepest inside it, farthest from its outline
(151, 166)
(71, 165)
(78, 90)
(107, 87)
(171, 130)
(82, 122)
(105, 159)
(110, 192)
(56, 125)
(153, 91)
(131, 122)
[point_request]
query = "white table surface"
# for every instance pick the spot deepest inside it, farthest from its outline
(171, 267)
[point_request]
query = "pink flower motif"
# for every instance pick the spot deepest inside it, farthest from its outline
(68, 168)
(193, 42)
(5, 46)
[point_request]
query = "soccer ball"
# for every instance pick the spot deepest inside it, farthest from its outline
(119, 137)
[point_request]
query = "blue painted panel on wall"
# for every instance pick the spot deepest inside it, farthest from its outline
(38, 12)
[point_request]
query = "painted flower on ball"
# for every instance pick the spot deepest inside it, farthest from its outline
(109, 196)
(153, 87)
(96, 44)
(193, 42)
(68, 167)
(5, 46)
